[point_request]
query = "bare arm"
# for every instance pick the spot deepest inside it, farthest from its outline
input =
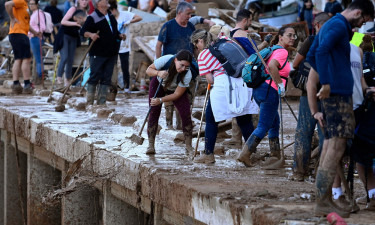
(312, 89)
(65, 21)
(9, 8)
(136, 18)
(210, 78)
(159, 44)
(169, 98)
(153, 72)
(274, 70)
(297, 60)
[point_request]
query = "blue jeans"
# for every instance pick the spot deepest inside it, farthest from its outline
(67, 56)
(244, 122)
(101, 69)
(267, 99)
(35, 48)
(303, 137)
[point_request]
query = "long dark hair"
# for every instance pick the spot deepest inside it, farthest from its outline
(281, 32)
(172, 71)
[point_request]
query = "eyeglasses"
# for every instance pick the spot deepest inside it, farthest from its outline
(292, 36)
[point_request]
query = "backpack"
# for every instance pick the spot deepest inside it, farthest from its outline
(369, 68)
(230, 55)
(49, 25)
(254, 73)
(299, 77)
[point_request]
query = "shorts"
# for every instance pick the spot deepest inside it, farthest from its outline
(338, 117)
(21, 46)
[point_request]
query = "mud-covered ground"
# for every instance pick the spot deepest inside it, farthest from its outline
(269, 190)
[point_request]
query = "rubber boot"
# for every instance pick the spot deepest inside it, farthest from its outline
(169, 115)
(275, 147)
(188, 143)
(151, 132)
(151, 146)
(90, 95)
(236, 139)
(324, 203)
(248, 148)
(102, 94)
(111, 96)
(275, 152)
(178, 121)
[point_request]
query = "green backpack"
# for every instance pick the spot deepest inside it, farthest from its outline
(254, 73)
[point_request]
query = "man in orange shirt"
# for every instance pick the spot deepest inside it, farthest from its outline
(19, 27)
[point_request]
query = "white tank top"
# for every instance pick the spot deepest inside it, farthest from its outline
(356, 66)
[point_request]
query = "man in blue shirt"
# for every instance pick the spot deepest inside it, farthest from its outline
(332, 7)
(330, 57)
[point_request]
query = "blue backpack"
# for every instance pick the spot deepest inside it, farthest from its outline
(254, 73)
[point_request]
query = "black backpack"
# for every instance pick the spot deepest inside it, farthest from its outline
(369, 68)
(299, 77)
(231, 55)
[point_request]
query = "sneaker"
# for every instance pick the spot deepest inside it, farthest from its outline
(17, 88)
(59, 80)
(204, 158)
(28, 89)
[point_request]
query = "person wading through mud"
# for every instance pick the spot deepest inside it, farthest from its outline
(218, 106)
(241, 35)
(306, 123)
(267, 98)
(330, 57)
(18, 29)
(104, 51)
(174, 72)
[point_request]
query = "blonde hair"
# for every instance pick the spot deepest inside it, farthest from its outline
(201, 34)
(217, 30)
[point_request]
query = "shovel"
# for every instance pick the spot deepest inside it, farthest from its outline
(137, 138)
(200, 125)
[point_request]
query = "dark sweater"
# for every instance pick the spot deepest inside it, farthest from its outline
(109, 42)
(330, 55)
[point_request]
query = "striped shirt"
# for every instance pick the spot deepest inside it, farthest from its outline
(209, 64)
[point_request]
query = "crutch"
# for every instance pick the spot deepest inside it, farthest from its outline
(281, 162)
(200, 125)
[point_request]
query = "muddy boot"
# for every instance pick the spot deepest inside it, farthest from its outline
(169, 115)
(188, 143)
(151, 146)
(178, 121)
(111, 96)
(275, 152)
(102, 94)
(90, 95)
(206, 159)
(371, 205)
(236, 139)
(248, 148)
(324, 204)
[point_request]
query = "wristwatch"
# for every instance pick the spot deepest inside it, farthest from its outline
(161, 101)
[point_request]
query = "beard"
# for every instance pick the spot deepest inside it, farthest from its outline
(355, 22)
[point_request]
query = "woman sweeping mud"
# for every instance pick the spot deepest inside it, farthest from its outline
(174, 73)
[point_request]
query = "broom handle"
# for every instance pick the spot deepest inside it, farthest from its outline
(200, 125)
(149, 110)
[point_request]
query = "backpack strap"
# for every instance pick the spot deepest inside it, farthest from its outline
(168, 64)
(232, 32)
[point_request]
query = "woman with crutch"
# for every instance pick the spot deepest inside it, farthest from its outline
(218, 106)
(267, 97)
(38, 23)
(174, 74)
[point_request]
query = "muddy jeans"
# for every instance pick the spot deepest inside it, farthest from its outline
(303, 137)
(267, 99)
(182, 105)
(244, 122)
